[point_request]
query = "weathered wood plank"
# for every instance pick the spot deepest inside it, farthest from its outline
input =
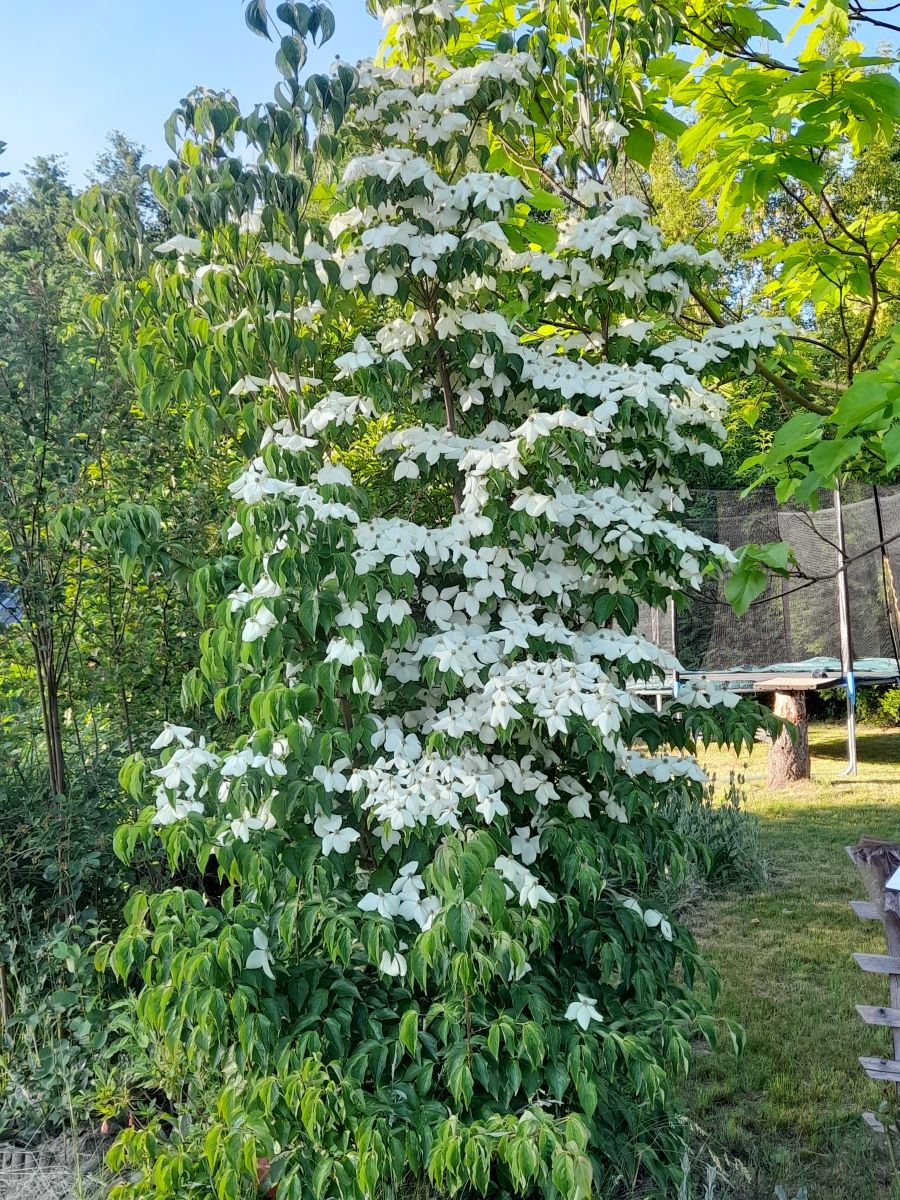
(878, 964)
(876, 1124)
(866, 910)
(874, 1014)
(881, 1068)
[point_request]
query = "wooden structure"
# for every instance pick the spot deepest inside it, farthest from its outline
(878, 863)
(789, 760)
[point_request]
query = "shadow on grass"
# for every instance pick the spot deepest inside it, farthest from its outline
(850, 782)
(873, 746)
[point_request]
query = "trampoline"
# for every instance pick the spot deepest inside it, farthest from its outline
(813, 674)
(834, 623)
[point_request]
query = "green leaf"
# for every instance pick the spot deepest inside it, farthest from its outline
(493, 896)
(794, 435)
(309, 614)
(639, 145)
(257, 19)
(544, 236)
(890, 445)
(459, 923)
(745, 584)
(545, 201)
(750, 577)
(777, 555)
(493, 1040)
(828, 456)
(408, 1034)
(470, 871)
(870, 393)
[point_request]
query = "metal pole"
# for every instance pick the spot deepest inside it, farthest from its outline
(657, 641)
(887, 578)
(670, 604)
(670, 612)
(843, 598)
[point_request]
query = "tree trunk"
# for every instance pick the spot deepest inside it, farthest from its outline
(5, 1005)
(789, 756)
(48, 684)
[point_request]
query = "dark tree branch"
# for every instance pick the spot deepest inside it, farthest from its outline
(781, 385)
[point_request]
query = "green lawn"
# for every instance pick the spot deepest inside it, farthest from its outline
(790, 1107)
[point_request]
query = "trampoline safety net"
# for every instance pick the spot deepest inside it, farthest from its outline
(790, 623)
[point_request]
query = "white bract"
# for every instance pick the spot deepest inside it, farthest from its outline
(259, 958)
(181, 244)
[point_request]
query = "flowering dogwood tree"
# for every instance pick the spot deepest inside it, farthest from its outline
(426, 764)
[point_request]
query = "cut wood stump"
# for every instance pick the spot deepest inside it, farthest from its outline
(789, 760)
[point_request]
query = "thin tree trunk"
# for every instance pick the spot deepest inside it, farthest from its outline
(789, 756)
(5, 1005)
(48, 683)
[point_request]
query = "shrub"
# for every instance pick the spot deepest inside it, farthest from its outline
(725, 838)
(879, 706)
(57, 1038)
(61, 889)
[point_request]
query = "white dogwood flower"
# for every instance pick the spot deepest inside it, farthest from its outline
(248, 385)
(279, 253)
(181, 244)
(391, 609)
(654, 920)
(171, 733)
(257, 626)
(583, 1010)
(334, 834)
(333, 778)
(386, 904)
(526, 845)
(249, 822)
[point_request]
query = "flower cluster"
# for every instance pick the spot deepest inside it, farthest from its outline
(485, 619)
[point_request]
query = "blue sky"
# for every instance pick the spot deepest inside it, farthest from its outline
(90, 66)
(94, 65)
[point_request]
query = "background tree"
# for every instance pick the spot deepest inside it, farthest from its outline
(48, 415)
(781, 142)
(103, 516)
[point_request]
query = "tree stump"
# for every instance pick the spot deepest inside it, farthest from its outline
(789, 757)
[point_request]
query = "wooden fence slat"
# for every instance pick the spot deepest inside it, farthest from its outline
(881, 1068)
(876, 860)
(879, 964)
(874, 1014)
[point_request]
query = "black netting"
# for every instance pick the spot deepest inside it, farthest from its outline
(791, 623)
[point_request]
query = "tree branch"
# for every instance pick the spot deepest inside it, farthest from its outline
(786, 389)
